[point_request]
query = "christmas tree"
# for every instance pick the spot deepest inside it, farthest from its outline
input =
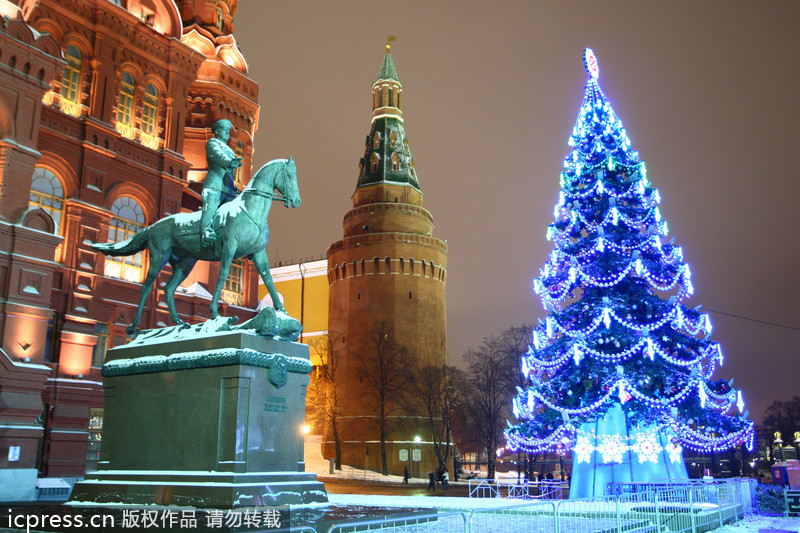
(621, 370)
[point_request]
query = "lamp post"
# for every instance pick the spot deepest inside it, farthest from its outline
(777, 447)
(417, 440)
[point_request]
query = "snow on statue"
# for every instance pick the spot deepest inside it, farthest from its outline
(621, 370)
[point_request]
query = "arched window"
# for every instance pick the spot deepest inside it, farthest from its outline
(150, 117)
(47, 193)
(71, 82)
(395, 162)
(376, 141)
(373, 164)
(127, 219)
(392, 139)
(127, 91)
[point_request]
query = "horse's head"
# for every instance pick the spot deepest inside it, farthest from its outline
(286, 183)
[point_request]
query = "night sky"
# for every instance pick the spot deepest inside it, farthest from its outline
(709, 93)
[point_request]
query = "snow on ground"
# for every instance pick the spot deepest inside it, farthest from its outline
(317, 464)
(763, 524)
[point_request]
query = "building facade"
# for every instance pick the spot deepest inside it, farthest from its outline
(105, 109)
(387, 280)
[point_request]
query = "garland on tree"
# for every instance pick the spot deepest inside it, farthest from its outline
(618, 331)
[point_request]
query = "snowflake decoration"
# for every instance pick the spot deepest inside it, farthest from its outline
(583, 449)
(647, 447)
(675, 452)
(611, 448)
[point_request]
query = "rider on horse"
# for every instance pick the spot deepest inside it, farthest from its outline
(219, 186)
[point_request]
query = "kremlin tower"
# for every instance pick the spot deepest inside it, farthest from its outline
(387, 291)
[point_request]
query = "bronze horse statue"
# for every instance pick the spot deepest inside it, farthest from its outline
(241, 225)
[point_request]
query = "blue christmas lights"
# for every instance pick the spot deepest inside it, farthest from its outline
(614, 291)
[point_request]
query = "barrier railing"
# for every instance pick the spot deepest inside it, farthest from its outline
(428, 523)
(532, 490)
(687, 507)
(538, 517)
(483, 488)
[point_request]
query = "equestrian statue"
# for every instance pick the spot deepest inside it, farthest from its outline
(238, 228)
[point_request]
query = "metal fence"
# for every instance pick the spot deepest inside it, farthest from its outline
(526, 490)
(659, 508)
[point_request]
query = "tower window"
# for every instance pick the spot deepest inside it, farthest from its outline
(219, 18)
(373, 164)
(238, 151)
(376, 141)
(391, 99)
(395, 162)
(392, 140)
(409, 295)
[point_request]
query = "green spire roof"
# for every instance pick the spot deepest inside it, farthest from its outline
(388, 71)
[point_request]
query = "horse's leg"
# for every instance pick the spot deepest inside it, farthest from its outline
(147, 286)
(180, 270)
(229, 246)
(261, 261)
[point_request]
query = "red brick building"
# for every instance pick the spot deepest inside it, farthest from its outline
(105, 108)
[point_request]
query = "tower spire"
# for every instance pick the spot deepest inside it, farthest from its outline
(388, 71)
(387, 157)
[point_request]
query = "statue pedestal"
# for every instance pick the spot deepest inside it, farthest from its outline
(208, 422)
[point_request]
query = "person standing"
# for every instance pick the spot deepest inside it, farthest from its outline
(405, 475)
(446, 479)
(219, 186)
(432, 481)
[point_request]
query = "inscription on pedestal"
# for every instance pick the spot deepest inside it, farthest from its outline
(275, 404)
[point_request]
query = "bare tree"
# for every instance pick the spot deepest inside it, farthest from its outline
(323, 400)
(386, 367)
(489, 395)
(439, 401)
(784, 417)
(514, 342)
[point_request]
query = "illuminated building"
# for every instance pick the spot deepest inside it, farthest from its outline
(105, 110)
